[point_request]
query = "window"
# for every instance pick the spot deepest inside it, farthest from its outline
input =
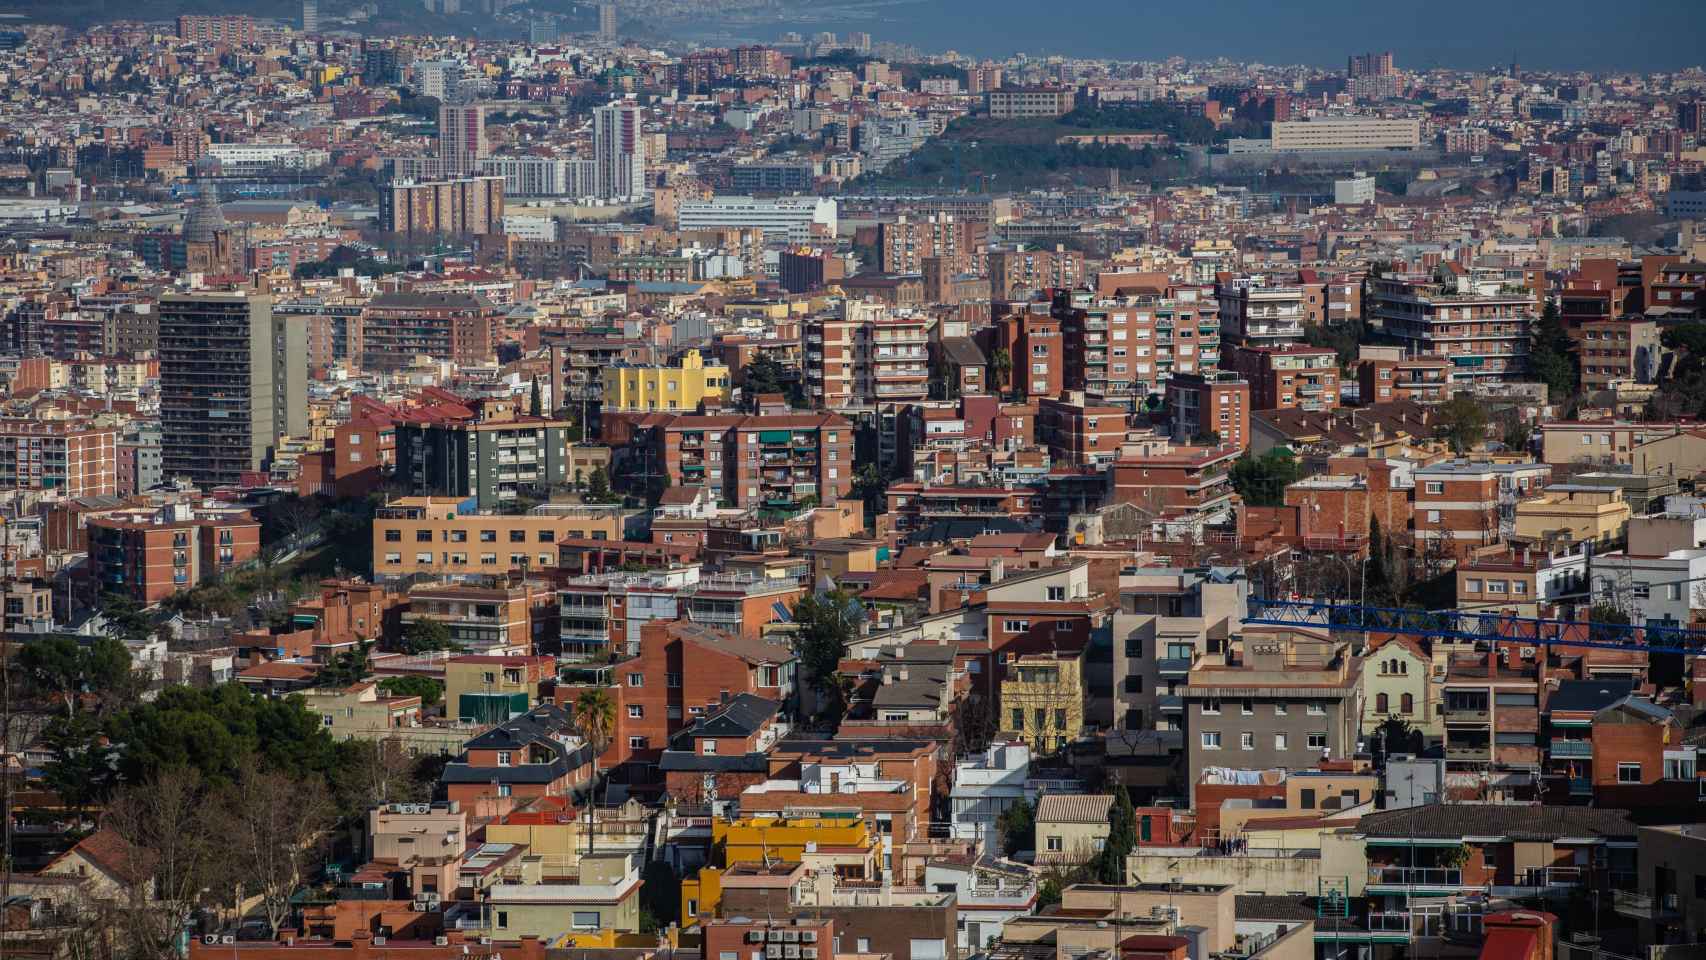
(1436, 486)
(1247, 708)
(710, 748)
(1433, 516)
(1315, 709)
(1018, 719)
(1016, 626)
(503, 919)
(1247, 740)
(1211, 707)
(424, 557)
(423, 536)
(1495, 586)
(635, 711)
(518, 536)
(1518, 586)
(488, 536)
(393, 536)
(504, 758)
(1281, 742)
(1279, 709)
(1054, 844)
(636, 743)
(1629, 773)
(1382, 704)
(636, 679)
(1318, 741)
(1407, 704)
(1471, 586)
(1058, 593)
(586, 920)
(1211, 740)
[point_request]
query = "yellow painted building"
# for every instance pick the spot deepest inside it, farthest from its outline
(1398, 681)
(1576, 511)
(1042, 699)
(775, 840)
(680, 388)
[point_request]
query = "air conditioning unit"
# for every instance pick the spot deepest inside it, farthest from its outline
(1527, 653)
(757, 936)
(485, 941)
(228, 939)
(429, 896)
(773, 951)
(791, 951)
(790, 936)
(774, 936)
(441, 941)
(808, 936)
(379, 941)
(210, 939)
(808, 953)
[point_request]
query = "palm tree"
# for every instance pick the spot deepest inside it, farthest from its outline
(1001, 364)
(595, 719)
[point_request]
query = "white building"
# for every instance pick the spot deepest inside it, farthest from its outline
(530, 226)
(1356, 190)
(984, 787)
(543, 176)
(619, 152)
(1347, 133)
(244, 158)
(784, 219)
(437, 78)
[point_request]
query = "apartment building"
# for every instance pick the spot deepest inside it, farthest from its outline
(1617, 351)
(1278, 698)
(396, 328)
(866, 357)
(1019, 102)
(1080, 432)
(494, 688)
(1678, 291)
(1492, 708)
(487, 451)
(67, 457)
(796, 220)
(1282, 378)
(1385, 374)
(1042, 699)
(774, 460)
(1205, 405)
(1036, 351)
(1523, 578)
(906, 242)
(233, 381)
(1253, 314)
(1126, 348)
(1461, 505)
(1346, 133)
(1169, 617)
(1018, 270)
(464, 206)
(506, 618)
(442, 537)
(1160, 477)
(1603, 441)
(1480, 326)
(148, 555)
(683, 387)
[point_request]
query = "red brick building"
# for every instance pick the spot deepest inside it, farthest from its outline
(1216, 404)
(69, 458)
(1287, 376)
(150, 555)
(1080, 432)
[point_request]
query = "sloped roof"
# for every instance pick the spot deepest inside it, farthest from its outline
(1074, 807)
(743, 716)
(1511, 821)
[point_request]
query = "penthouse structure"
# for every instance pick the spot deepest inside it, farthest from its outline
(1480, 327)
(487, 452)
(442, 537)
(907, 242)
(1255, 315)
(758, 461)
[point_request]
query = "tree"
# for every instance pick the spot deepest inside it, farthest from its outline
(1378, 586)
(1551, 355)
(425, 635)
(762, 374)
(84, 768)
(274, 831)
(1018, 827)
(1049, 890)
(870, 486)
(1109, 865)
(595, 721)
(535, 403)
(1262, 480)
(598, 487)
(1606, 616)
(660, 896)
(825, 623)
(345, 669)
(429, 690)
(175, 860)
(1001, 365)
(1398, 736)
(1462, 423)
(56, 666)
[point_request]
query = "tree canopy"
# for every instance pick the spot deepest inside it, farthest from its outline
(1551, 356)
(1262, 480)
(1462, 423)
(826, 624)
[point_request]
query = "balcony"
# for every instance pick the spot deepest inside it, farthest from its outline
(1645, 906)
(1168, 703)
(1474, 715)
(1173, 666)
(1572, 748)
(1473, 751)
(1581, 787)
(1404, 879)
(1548, 878)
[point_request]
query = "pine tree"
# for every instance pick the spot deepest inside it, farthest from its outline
(1379, 576)
(1122, 838)
(535, 403)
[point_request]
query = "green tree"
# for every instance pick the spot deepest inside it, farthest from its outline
(346, 668)
(1109, 865)
(1606, 616)
(762, 374)
(660, 896)
(1378, 582)
(1049, 890)
(1001, 367)
(425, 635)
(535, 402)
(1462, 422)
(870, 486)
(826, 623)
(1018, 827)
(1551, 355)
(1262, 480)
(598, 487)
(56, 666)
(216, 731)
(84, 768)
(429, 690)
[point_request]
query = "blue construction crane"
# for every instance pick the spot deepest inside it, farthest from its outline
(1488, 625)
